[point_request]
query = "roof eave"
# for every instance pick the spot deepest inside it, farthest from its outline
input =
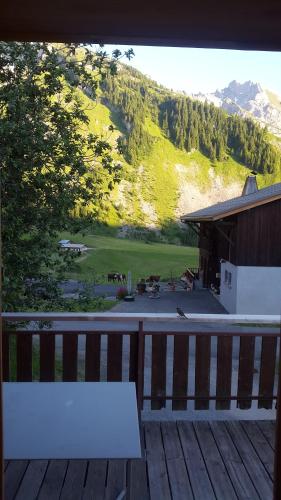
(185, 220)
(228, 213)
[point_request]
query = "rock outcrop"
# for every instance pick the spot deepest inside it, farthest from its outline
(248, 99)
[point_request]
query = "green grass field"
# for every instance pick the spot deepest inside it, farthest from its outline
(109, 254)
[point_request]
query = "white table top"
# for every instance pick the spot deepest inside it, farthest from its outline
(45, 420)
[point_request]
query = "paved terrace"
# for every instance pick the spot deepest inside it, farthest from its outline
(181, 461)
(197, 301)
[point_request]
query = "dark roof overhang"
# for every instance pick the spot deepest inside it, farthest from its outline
(249, 25)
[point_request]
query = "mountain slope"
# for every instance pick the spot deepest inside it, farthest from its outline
(162, 176)
(168, 181)
(189, 124)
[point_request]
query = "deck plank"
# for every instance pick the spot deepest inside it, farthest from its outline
(96, 478)
(218, 474)
(268, 429)
(177, 472)
(13, 477)
(53, 481)
(181, 461)
(32, 480)
(250, 459)
(156, 465)
(137, 480)
(262, 447)
(116, 479)
(237, 472)
(199, 478)
(74, 480)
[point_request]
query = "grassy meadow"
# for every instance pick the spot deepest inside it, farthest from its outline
(108, 254)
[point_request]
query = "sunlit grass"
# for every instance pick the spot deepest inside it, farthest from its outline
(109, 254)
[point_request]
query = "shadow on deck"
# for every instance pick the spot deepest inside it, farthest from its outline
(181, 460)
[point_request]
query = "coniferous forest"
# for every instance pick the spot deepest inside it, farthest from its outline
(189, 124)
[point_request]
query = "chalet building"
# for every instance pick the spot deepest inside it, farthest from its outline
(73, 247)
(64, 242)
(240, 249)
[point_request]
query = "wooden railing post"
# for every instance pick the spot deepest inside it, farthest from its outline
(140, 370)
(1, 416)
(1, 379)
(277, 456)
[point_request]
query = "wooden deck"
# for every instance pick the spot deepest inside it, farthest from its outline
(182, 460)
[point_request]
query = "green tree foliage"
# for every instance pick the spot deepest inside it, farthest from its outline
(49, 161)
(194, 125)
(132, 102)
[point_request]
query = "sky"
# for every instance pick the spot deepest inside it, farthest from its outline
(205, 70)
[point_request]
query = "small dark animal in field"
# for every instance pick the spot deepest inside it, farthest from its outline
(181, 313)
(111, 277)
(119, 277)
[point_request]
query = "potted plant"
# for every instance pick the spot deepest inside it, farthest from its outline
(121, 293)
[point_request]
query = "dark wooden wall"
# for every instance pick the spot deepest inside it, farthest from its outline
(255, 236)
(258, 240)
(255, 240)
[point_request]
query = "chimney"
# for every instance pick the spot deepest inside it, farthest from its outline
(250, 186)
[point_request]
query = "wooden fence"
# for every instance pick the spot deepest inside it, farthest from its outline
(169, 368)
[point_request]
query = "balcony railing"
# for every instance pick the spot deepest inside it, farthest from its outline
(170, 368)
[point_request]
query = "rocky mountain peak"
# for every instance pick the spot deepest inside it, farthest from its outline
(248, 99)
(247, 90)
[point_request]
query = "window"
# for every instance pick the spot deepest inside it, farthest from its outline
(229, 280)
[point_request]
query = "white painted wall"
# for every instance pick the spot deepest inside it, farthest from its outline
(253, 290)
(228, 292)
(258, 290)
